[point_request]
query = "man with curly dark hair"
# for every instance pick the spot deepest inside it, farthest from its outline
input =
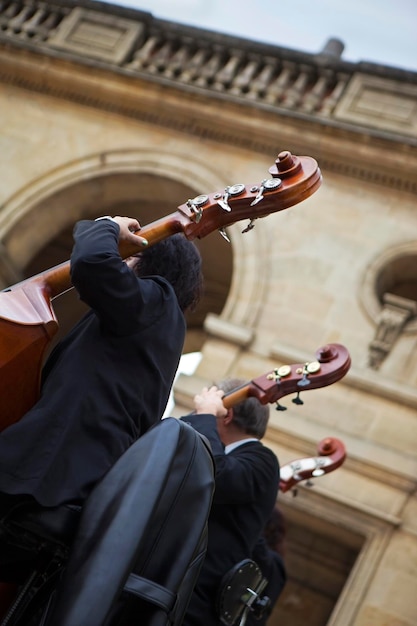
(109, 379)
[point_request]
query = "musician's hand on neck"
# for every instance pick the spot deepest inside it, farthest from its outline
(210, 401)
(128, 227)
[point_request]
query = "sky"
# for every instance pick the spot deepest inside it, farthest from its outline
(378, 31)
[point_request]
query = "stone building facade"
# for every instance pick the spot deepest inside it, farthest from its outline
(106, 110)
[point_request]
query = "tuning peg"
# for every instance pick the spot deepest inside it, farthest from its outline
(196, 211)
(319, 471)
(232, 190)
(249, 227)
(223, 203)
(266, 185)
(309, 368)
(297, 399)
(259, 196)
(224, 235)
(196, 204)
(280, 407)
(304, 382)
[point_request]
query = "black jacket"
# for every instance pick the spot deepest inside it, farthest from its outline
(104, 384)
(246, 487)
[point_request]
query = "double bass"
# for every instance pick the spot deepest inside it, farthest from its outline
(27, 319)
(331, 363)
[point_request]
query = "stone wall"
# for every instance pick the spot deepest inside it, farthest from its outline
(107, 110)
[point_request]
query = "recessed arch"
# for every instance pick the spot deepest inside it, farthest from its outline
(36, 223)
(59, 198)
(394, 271)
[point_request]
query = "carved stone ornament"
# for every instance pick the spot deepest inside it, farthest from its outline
(96, 35)
(395, 314)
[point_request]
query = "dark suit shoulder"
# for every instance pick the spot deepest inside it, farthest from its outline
(257, 449)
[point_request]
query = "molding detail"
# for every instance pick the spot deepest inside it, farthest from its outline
(221, 328)
(380, 103)
(312, 86)
(129, 50)
(96, 35)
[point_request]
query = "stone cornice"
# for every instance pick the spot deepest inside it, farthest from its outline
(50, 48)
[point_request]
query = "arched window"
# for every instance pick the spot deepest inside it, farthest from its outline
(389, 294)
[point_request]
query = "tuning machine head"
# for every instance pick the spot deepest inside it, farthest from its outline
(269, 184)
(196, 204)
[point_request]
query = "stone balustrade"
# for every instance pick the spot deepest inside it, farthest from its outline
(199, 59)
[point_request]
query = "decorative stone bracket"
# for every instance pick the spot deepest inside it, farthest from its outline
(395, 314)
